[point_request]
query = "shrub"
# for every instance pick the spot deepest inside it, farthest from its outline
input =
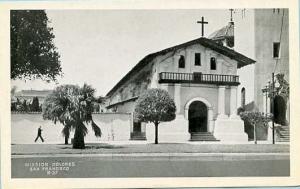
(256, 119)
(155, 106)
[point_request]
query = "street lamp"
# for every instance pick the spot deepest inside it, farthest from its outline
(271, 91)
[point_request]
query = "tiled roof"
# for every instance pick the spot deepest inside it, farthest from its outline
(241, 59)
(225, 32)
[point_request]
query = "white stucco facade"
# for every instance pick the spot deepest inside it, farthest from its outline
(216, 90)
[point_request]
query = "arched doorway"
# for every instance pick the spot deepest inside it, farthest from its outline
(197, 116)
(279, 110)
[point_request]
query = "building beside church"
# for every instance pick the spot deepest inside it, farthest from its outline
(271, 49)
(269, 31)
(272, 55)
(265, 33)
(201, 77)
(28, 95)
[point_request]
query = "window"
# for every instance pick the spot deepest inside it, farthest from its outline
(276, 50)
(197, 59)
(181, 62)
(213, 65)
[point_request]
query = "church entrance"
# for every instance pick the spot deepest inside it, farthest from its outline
(279, 110)
(197, 115)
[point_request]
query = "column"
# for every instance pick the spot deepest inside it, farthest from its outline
(210, 123)
(221, 102)
(233, 102)
(265, 103)
(177, 97)
(131, 122)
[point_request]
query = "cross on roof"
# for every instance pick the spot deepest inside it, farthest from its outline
(202, 22)
(231, 10)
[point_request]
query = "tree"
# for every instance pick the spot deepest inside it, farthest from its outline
(155, 106)
(100, 100)
(97, 108)
(33, 54)
(256, 119)
(13, 99)
(13, 91)
(35, 105)
(72, 106)
(24, 106)
(66, 132)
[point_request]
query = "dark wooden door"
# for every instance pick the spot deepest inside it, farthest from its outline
(137, 127)
(197, 76)
(197, 117)
(279, 110)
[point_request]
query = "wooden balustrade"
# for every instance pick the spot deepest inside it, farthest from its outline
(172, 77)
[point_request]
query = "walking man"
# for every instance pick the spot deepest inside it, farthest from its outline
(39, 135)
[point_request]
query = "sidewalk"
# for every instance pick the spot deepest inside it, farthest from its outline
(147, 149)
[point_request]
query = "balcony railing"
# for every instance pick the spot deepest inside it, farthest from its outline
(171, 77)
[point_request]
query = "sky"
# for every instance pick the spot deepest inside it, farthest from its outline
(99, 47)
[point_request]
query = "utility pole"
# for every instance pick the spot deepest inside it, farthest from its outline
(270, 93)
(272, 100)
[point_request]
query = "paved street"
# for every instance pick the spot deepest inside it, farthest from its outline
(149, 160)
(151, 165)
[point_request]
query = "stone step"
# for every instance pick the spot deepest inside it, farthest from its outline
(284, 134)
(202, 136)
(287, 138)
(201, 133)
(281, 140)
(202, 139)
(284, 138)
(284, 128)
(281, 135)
(138, 136)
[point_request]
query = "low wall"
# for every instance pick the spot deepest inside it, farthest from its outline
(169, 132)
(24, 126)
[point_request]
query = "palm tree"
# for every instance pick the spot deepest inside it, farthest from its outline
(72, 106)
(66, 132)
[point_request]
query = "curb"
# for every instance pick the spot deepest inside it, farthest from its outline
(167, 156)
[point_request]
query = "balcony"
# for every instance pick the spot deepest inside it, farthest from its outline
(216, 79)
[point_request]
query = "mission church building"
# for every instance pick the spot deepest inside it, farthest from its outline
(201, 76)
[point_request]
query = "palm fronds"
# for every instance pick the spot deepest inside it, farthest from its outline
(96, 129)
(72, 106)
